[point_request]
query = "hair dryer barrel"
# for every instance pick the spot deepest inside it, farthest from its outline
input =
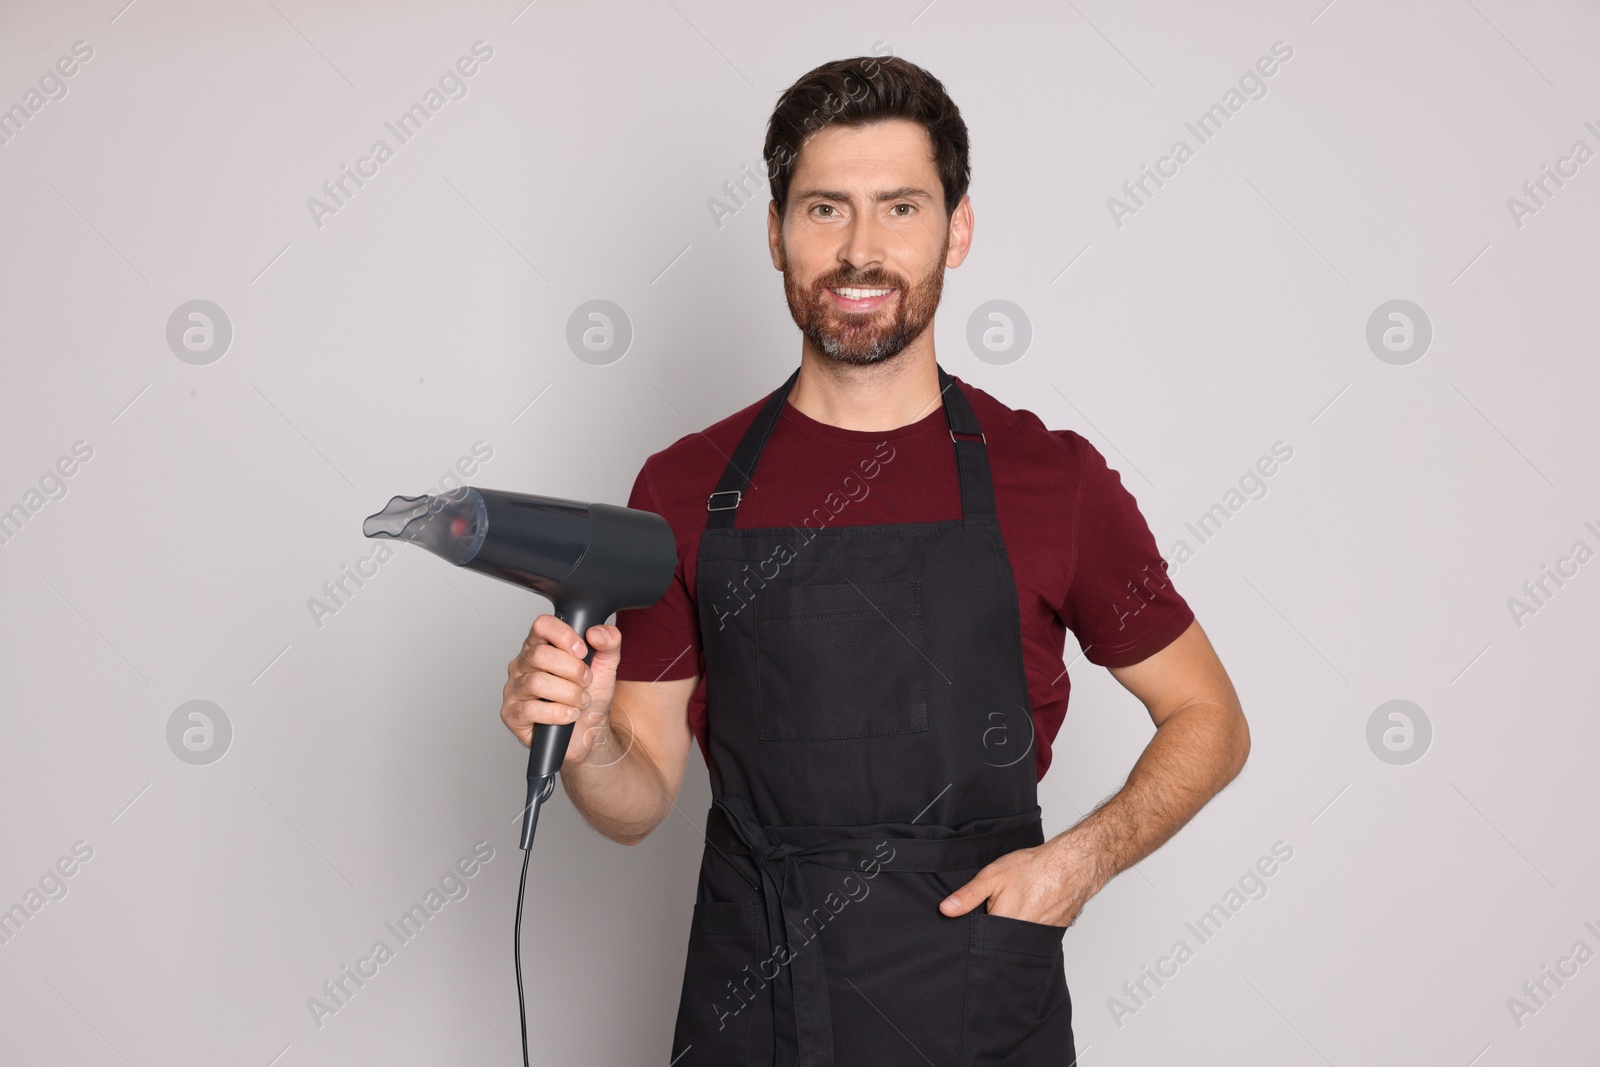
(596, 556)
(600, 557)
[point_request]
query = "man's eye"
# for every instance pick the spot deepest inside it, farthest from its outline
(823, 207)
(908, 208)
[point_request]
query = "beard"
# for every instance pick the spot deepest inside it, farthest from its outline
(864, 338)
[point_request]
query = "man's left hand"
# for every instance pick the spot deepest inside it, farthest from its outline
(1049, 883)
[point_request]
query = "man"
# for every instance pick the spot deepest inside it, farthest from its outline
(877, 567)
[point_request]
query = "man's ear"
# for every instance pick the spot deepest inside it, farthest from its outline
(961, 227)
(775, 235)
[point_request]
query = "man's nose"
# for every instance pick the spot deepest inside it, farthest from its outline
(865, 244)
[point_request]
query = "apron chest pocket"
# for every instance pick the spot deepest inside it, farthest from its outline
(843, 660)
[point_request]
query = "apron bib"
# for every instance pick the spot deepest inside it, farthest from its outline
(870, 747)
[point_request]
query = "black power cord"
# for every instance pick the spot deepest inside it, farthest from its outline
(538, 793)
(522, 1010)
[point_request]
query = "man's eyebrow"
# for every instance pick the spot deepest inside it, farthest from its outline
(905, 192)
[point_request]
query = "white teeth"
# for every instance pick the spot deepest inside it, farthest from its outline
(862, 294)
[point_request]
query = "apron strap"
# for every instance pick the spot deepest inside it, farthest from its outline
(724, 503)
(972, 459)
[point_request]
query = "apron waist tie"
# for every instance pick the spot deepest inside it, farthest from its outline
(802, 1018)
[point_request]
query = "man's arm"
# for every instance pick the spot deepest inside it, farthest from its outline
(627, 783)
(630, 740)
(1200, 745)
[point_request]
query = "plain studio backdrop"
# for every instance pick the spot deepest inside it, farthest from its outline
(1380, 258)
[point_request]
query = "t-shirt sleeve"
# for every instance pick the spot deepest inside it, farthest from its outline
(662, 641)
(1120, 602)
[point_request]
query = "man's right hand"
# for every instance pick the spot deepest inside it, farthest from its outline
(548, 682)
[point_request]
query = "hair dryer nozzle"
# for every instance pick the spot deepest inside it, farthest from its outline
(451, 525)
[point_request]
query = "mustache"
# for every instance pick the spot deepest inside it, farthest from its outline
(861, 281)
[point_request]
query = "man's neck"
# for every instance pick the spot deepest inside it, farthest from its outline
(876, 397)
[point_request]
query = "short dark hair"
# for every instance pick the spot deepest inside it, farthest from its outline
(858, 92)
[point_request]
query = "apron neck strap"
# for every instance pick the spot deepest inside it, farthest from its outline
(972, 460)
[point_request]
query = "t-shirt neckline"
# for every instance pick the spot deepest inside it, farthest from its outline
(800, 420)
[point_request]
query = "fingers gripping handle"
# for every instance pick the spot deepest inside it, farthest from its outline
(548, 749)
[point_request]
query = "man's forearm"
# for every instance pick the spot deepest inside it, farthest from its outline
(1194, 753)
(622, 796)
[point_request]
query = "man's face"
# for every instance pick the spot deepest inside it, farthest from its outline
(865, 240)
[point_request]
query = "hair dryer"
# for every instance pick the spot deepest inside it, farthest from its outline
(588, 560)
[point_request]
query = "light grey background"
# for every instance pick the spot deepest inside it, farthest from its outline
(369, 354)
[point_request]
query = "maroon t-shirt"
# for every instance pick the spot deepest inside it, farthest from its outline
(1081, 554)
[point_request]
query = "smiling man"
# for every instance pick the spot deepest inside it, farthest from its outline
(878, 564)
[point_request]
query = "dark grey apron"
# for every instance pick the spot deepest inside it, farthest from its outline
(870, 748)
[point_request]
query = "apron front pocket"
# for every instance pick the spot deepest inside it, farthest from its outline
(1017, 1011)
(840, 660)
(720, 994)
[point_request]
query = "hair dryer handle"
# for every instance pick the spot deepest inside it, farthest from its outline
(548, 749)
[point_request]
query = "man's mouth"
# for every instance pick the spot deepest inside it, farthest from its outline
(856, 298)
